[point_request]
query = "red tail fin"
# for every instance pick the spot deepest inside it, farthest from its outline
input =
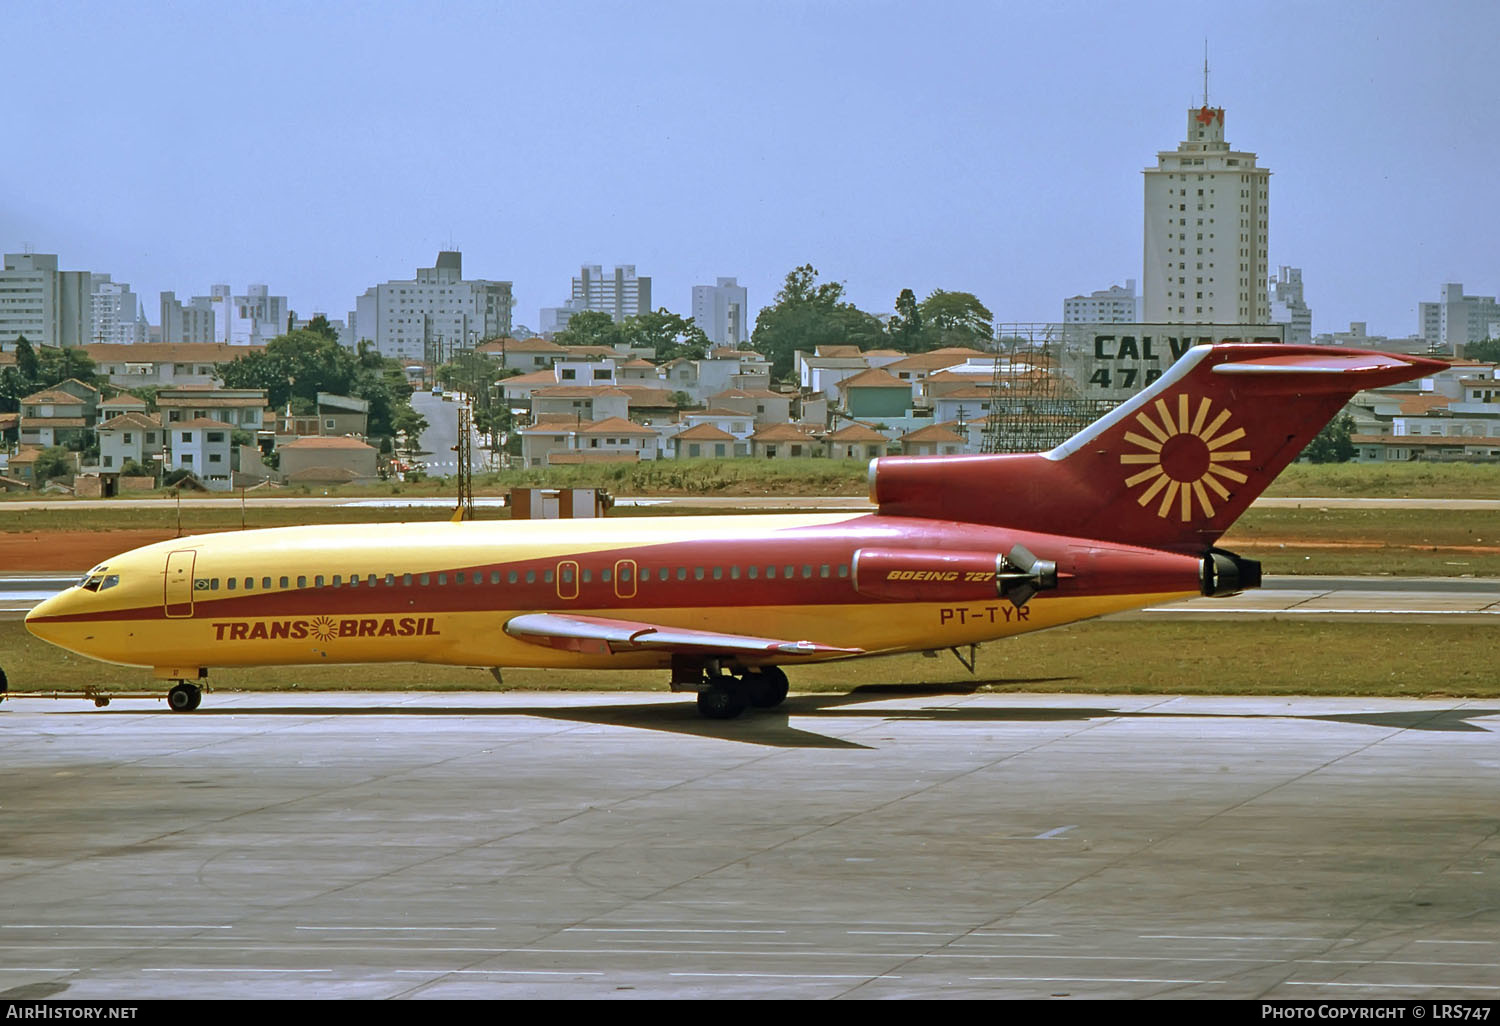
(1171, 468)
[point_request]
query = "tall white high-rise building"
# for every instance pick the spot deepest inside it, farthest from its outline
(1205, 239)
(1289, 307)
(47, 306)
(719, 311)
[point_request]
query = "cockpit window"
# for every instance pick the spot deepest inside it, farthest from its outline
(97, 580)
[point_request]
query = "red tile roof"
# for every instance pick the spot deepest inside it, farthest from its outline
(874, 378)
(327, 442)
(856, 432)
(705, 433)
(933, 433)
(781, 433)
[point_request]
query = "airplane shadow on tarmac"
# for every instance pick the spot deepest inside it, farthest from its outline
(773, 728)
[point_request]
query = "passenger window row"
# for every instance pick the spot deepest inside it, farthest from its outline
(770, 572)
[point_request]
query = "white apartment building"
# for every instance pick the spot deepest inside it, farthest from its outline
(192, 321)
(719, 311)
(47, 306)
(432, 314)
(556, 318)
(115, 313)
(621, 293)
(1117, 304)
(1205, 230)
(1289, 307)
(252, 319)
(1457, 319)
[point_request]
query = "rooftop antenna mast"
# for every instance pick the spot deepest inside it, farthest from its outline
(1205, 73)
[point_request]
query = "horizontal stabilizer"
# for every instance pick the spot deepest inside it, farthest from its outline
(601, 635)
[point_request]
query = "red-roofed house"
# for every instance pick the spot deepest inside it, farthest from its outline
(329, 459)
(57, 415)
(856, 441)
(782, 441)
(705, 441)
(765, 406)
(130, 436)
(876, 394)
(934, 440)
(611, 434)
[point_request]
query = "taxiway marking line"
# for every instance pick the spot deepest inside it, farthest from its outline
(1081, 979)
(502, 972)
(1397, 986)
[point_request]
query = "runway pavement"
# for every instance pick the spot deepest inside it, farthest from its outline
(884, 845)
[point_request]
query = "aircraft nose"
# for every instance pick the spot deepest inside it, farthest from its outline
(43, 619)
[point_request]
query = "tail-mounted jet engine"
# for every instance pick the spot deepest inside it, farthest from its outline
(1224, 573)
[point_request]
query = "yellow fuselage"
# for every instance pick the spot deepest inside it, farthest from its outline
(443, 593)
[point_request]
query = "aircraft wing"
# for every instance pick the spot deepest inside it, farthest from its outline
(599, 634)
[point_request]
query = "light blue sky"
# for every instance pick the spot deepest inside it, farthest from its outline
(994, 148)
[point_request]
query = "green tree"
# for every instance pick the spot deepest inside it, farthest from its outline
(61, 363)
(296, 367)
(1487, 351)
(27, 364)
(807, 314)
(411, 423)
(53, 461)
(1334, 444)
(670, 335)
(956, 319)
(589, 328)
(319, 326)
(13, 388)
(905, 328)
(299, 364)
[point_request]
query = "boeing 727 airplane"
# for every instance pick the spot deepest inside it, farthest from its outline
(961, 550)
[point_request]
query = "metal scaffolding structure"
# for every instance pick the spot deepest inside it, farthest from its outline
(464, 450)
(1035, 402)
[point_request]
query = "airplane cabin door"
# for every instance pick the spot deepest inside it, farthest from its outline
(625, 575)
(177, 590)
(567, 579)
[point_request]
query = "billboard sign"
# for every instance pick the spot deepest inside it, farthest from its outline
(1115, 361)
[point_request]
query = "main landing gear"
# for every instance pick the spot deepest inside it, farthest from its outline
(184, 697)
(725, 696)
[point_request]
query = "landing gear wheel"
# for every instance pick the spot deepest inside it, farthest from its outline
(4, 686)
(184, 697)
(767, 686)
(719, 702)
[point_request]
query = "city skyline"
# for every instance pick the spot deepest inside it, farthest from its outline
(985, 148)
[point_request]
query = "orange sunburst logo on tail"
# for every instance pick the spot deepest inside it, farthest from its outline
(1183, 454)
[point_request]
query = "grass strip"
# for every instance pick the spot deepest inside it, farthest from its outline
(1099, 657)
